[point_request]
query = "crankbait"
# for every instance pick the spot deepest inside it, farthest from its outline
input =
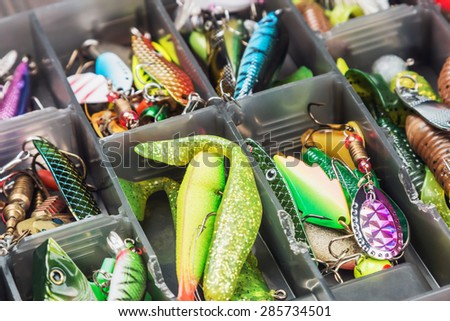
(198, 200)
(233, 36)
(251, 285)
(280, 189)
(138, 193)
(197, 41)
(238, 217)
(321, 200)
(70, 183)
(56, 277)
(432, 193)
(15, 99)
(263, 55)
(166, 73)
(129, 279)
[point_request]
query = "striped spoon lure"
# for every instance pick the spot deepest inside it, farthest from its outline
(178, 84)
(71, 184)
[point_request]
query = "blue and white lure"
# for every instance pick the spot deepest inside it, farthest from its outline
(263, 56)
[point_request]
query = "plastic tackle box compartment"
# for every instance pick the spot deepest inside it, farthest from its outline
(304, 49)
(86, 245)
(158, 225)
(277, 122)
(67, 131)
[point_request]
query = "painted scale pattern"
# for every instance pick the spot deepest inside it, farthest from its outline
(77, 195)
(166, 73)
(280, 189)
(15, 100)
(129, 278)
(258, 57)
(238, 218)
(138, 193)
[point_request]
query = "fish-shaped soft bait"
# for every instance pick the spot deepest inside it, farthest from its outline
(263, 55)
(198, 201)
(56, 277)
(138, 193)
(15, 99)
(238, 217)
(129, 279)
(167, 74)
(321, 200)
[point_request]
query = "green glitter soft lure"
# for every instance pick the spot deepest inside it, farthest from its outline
(138, 193)
(71, 184)
(433, 193)
(251, 285)
(238, 217)
(198, 201)
(56, 277)
(280, 189)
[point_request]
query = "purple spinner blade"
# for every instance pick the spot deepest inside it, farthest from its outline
(15, 98)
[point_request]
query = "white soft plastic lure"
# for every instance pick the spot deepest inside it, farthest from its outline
(188, 7)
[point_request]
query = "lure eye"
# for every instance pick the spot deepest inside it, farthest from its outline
(57, 276)
(271, 174)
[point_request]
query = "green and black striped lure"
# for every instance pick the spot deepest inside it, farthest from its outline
(129, 279)
(280, 189)
(71, 184)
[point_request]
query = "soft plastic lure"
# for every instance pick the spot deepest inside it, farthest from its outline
(198, 201)
(138, 193)
(79, 199)
(15, 99)
(280, 189)
(56, 277)
(264, 54)
(238, 217)
(166, 73)
(129, 278)
(433, 193)
(251, 285)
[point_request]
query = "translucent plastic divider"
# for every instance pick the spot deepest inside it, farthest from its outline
(158, 225)
(278, 120)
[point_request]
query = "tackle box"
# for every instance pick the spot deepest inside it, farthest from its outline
(53, 31)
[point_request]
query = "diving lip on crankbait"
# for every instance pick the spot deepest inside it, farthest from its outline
(178, 84)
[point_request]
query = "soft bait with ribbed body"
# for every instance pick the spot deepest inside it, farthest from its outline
(444, 82)
(238, 217)
(138, 193)
(280, 189)
(15, 99)
(321, 200)
(433, 146)
(314, 16)
(166, 73)
(79, 199)
(129, 278)
(56, 277)
(197, 204)
(263, 55)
